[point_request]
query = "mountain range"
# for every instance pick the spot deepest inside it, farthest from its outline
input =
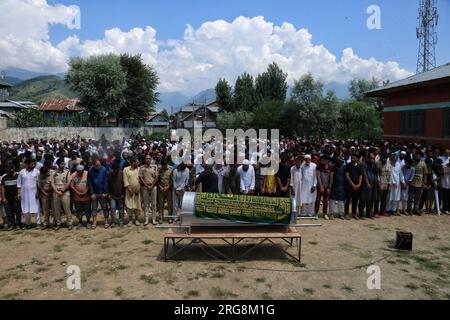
(38, 86)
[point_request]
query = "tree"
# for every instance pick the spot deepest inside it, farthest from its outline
(165, 114)
(30, 118)
(234, 120)
(268, 115)
(306, 90)
(100, 82)
(272, 85)
(141, 83)
(357, 120)
(224, 95)
(244, 93)
(320, 117)
(358, 87)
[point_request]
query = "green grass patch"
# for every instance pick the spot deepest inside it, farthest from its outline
(219, 293)
(412, 286)
(58, 247)
(347, 288)
(192, 294)
(309, 291)
(118, 291)
(149, 279)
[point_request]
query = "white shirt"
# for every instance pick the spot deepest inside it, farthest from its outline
(247, 178)
(180, 179)
(445, 182)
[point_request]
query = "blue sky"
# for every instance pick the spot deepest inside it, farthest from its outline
(335, 24)
(192, 44)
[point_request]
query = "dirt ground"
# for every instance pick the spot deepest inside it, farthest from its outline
(128, 263)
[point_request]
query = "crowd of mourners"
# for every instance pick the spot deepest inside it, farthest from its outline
(67, 182)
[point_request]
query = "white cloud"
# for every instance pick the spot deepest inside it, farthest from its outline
(24, 37)
(195, 62)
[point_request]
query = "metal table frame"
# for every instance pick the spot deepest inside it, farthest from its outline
(232, 237)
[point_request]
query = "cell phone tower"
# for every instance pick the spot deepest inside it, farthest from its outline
(426, 33)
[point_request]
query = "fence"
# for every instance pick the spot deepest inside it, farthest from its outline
(17, 134)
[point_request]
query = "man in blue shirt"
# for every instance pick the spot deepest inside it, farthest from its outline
(97, 181)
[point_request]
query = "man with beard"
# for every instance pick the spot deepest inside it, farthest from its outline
(116, 192)
(133, 191)
(337, 181)
(232, 181)
(148, 177)
(46, 192)
(418, 181)
(354, 178)
(97, 180)
(61, 196)
(27, 192)
(180, 180)
(309, 184)
(208, 179)
(247, 175)
(369, 191)
(165, 190)
(81, 198)
(10, 198)
(296, 183)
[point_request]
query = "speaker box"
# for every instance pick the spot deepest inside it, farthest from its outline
(404, 240)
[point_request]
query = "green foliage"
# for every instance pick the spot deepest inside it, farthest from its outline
(234, 120)
(101, 84)
(140, 93)
(40, 89)
(157, 136)
(244, 93)
(307, 90)
(357, 120)
(165, 114)
(30, 118)
(358, 87)
(224, 95)
(268, 115)
(272, 85)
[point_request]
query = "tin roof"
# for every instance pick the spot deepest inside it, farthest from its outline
(5, 84)
(437, 75)
(60, 105)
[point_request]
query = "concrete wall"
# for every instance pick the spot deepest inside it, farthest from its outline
(111, 134)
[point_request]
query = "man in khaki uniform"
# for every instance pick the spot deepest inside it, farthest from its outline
(165, 190)
(61, 196)
(132, 194)
(148, 177)
(46, 193)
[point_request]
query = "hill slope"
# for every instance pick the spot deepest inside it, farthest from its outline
(41, 88)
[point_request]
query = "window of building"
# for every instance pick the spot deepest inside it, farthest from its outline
(447, 122)
(412, 122)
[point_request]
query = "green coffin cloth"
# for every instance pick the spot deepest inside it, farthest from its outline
(243, 208)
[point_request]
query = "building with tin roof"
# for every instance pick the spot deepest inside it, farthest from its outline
(417, 109)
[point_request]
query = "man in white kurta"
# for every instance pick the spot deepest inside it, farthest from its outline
(296, 184)
(27, 189)
(247, 175)
(396, 188)
(308, 188)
